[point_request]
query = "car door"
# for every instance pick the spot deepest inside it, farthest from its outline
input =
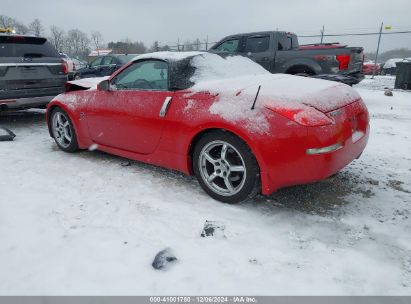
(131, 114)
(107, 66)
(92, 70)
(257, 48)
(283, 43)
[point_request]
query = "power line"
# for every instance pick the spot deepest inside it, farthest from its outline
(355, 34)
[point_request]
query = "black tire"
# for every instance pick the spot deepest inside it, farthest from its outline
(303, 74)
(70, 146)
(246, 189)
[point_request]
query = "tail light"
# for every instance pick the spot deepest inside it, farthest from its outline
(344, 60)
(64, 67)
(304, 115)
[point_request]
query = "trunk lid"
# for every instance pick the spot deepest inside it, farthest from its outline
(323, 95)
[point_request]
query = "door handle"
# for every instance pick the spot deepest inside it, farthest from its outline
(165, 106)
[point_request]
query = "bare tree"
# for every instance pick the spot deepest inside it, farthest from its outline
(57, 37)
(6, 21)
(155, 47)
(21, 28)
(77, 43)
(97, 40)
(197, 44)
(36, 28)
(188, 46)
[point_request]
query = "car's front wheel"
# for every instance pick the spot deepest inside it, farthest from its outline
(63, 131)
(226, 167)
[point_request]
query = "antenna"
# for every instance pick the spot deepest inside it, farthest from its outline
(255, 99)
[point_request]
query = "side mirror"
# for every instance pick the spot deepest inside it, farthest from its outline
(104, 86)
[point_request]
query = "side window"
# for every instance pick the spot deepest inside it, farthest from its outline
(96, 62)
(257, 44)
(229, 46)
(143, 75)
(107, 60)
(284, 43)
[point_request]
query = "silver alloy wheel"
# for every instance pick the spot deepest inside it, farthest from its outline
(222, 168)
(61, 129)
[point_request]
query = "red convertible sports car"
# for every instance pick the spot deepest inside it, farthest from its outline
(239, 129)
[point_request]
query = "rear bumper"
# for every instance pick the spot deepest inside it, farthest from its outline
(28, 98)
(316, 167)
(22, 103)
(310, 154)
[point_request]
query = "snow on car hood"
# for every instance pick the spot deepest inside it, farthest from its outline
(72, 99)
(88, 83)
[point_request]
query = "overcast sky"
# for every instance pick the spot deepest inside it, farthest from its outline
(168, 20)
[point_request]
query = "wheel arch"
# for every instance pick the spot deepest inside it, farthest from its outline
(300, 68)
(303, 64)
(200, 133)
(51, 107)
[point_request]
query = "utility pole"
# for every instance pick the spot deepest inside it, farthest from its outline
(207, 43)
(376, 54)
(322, 35)
(178, 44)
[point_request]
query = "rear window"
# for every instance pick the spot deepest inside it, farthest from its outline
(18, 46)
(287, 42)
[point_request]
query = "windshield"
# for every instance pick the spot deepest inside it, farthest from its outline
(125, 58)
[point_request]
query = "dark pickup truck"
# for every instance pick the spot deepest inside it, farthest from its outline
(279, 52)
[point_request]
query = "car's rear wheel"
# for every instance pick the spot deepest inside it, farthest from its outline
(226, 168)
(63, 131)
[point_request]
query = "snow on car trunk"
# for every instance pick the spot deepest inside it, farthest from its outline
(237, 74)
(236, 80)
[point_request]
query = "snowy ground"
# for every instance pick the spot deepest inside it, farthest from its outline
(84, 224)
